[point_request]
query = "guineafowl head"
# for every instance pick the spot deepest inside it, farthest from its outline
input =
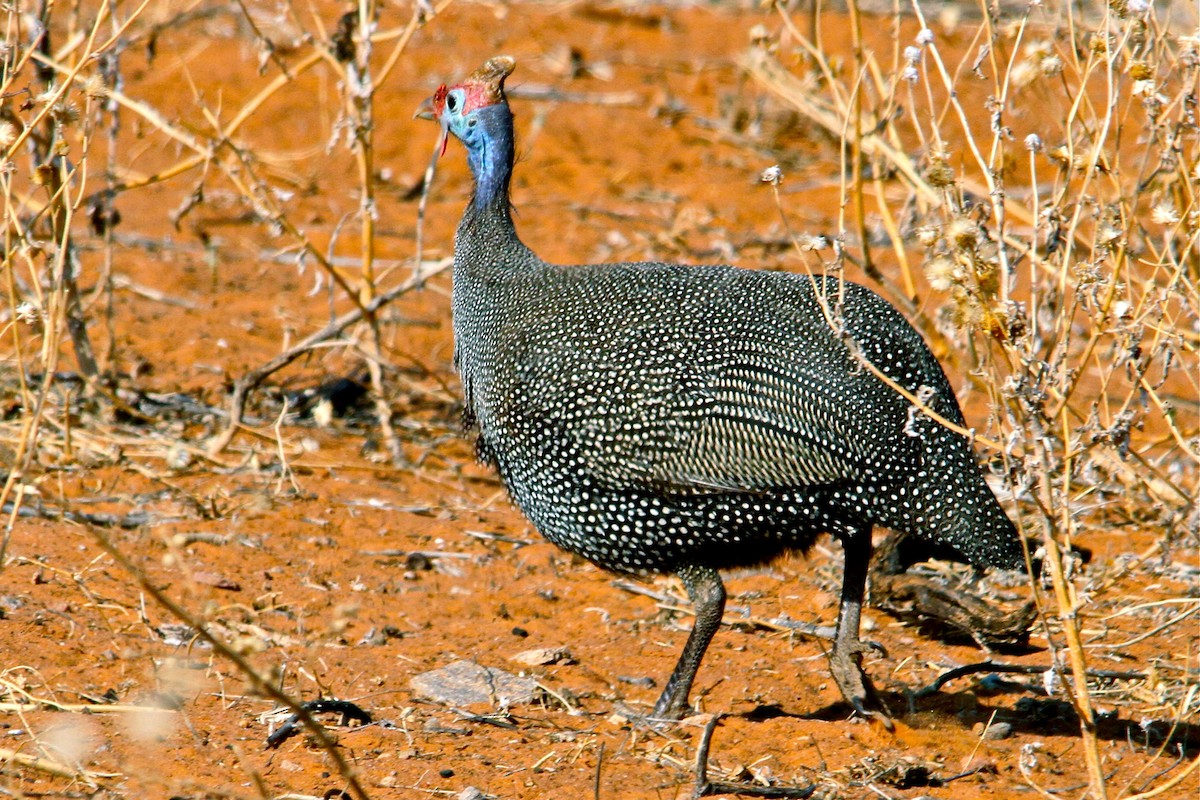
(475, 109)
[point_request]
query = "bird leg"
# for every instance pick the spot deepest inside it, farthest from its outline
(707, 592)
(845, 661)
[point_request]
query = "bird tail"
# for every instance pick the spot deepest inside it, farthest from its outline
(969, 518)
(955, 508)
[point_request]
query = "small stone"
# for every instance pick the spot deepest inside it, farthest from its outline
(466, 683)
(471, 793)
(994, 732)
(541, 656)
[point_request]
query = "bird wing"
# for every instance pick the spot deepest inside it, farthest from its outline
(695, 401)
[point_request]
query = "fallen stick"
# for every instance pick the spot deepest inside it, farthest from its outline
(52, 767)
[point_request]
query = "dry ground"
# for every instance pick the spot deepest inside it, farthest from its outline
(336, 574)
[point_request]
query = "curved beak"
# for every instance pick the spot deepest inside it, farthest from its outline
(425, 111)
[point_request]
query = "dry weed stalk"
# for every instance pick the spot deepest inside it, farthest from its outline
(82, 98)
(53, 126)
(62, 106)
(1052, 179)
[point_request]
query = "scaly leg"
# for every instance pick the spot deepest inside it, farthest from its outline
(845, 661)
(707, 592)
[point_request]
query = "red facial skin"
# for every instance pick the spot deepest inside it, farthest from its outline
(484, 87)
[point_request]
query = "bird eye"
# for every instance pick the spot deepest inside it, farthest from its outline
(452, 102)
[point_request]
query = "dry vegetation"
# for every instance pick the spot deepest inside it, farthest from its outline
(1028, 197)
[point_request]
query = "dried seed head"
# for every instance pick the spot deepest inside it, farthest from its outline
(912, 54)
(1024, 73)
(1051, 65)
(942, 273)
(8, 134)
(924, 37)
(1189, 49)
(1033, 143)
(910, 74)
(963, 233)
(1140, 71)
(1165, 213)
(809, 242)
(1108, 233)
(987, 276)
(65, 112)
(95, 87)
(939, 174)
(28, 313)
(929, 236)
(772, 175)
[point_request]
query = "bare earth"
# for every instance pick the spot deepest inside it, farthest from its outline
(337, 575)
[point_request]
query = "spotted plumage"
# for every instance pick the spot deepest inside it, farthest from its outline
(664, 418)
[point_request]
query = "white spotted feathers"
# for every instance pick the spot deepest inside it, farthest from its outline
(652, 416)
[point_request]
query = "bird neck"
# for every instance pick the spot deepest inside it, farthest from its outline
(490, 156)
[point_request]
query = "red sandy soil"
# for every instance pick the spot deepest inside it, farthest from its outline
(309, 559)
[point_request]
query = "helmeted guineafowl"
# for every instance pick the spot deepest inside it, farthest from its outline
(660, 418)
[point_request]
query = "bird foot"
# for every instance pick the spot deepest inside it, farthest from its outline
(661, 721)
(845, 662)
(671, 706)
(861, 647)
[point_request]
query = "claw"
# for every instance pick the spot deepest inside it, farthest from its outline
(845, 662)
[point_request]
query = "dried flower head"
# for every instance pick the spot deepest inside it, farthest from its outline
(1165, 213)
(760, 35)
(65, 112)
(912, 54)
(1051, 65)
(939, 174)
(1189, 49)
(28, 313)
(1033, 143)
(1140, 71)
(963, 233)
(8, 134)
(924, 37)
(809, 242)
(910, 74)
(95, 87)
(942, 273)
(929, 236)
(772, 175)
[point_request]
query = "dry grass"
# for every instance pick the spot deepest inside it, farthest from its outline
(1038, 199)
(1050, 180)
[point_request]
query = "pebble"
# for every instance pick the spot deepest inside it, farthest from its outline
(466, 683)
(994, 732)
